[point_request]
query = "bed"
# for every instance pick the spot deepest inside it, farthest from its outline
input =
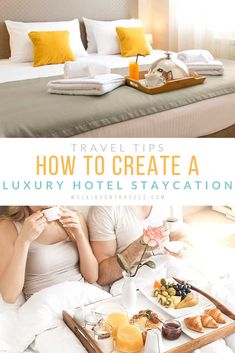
(168, 115)
(211, 115)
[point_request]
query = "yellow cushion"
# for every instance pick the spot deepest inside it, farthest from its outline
(132, 41)
(51, 47)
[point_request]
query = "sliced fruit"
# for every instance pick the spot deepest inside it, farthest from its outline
(176, 300)
(189, 301)
(155, 292)
(163, 282)
(157, 285)
(171, 291)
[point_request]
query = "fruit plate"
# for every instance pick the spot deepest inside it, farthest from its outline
(195, 335)
(147, 289)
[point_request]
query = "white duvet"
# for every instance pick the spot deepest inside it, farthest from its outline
(10, 71)
(39, 322)
(37, 326)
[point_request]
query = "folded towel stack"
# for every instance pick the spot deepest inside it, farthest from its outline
(213, 68)
(201, 61)
(85, 79)
(96, 86)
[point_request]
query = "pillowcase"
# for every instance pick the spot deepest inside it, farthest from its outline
(132, 41)
(51, 47)
(22, 47)
(99, 32)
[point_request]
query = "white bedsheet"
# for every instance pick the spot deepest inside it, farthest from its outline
(10, 71)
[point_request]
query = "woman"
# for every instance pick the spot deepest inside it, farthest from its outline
(35, 253)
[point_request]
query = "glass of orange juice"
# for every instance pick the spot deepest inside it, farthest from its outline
(134, 70)
(117, 319)
(129, 339)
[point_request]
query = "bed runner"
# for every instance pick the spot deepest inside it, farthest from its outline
(27, 110)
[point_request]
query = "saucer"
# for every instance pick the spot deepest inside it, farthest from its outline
(143, 83)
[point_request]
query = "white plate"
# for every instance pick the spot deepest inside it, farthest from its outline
(176, 246)
(147, 290)
(194, 334)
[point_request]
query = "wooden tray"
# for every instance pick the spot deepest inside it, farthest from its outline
(186, 346)
(193, 80)
(86, 340)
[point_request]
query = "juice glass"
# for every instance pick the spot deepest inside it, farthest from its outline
(129, 339)
(134, 70)
(117, 319)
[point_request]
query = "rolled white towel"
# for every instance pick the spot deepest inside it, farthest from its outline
(195, 55)
(77, 69)
(98, 85)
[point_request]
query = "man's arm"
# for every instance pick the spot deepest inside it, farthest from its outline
(105, 252)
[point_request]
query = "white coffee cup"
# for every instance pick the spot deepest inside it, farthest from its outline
(154, 80)
(172, 223)
(52, 214)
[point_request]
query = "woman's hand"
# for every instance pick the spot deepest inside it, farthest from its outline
(33, 227)
(71, 222)
(76, 228)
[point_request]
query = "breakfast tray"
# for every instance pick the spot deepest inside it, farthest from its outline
(171, 85)
(184, 345)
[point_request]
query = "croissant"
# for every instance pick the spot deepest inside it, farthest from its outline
(216, 315)
(208, 321)
(194, 323)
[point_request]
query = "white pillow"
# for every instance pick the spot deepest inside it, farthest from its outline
(91, 43)
(22, 47)
(101, 31)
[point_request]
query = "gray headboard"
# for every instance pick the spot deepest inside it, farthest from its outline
(56, 10)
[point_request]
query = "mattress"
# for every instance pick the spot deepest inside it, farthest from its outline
(186, 121)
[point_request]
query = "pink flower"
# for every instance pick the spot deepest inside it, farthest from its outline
(153, 236)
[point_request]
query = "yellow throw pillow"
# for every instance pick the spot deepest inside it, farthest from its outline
(132, 41)
(51, 47)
